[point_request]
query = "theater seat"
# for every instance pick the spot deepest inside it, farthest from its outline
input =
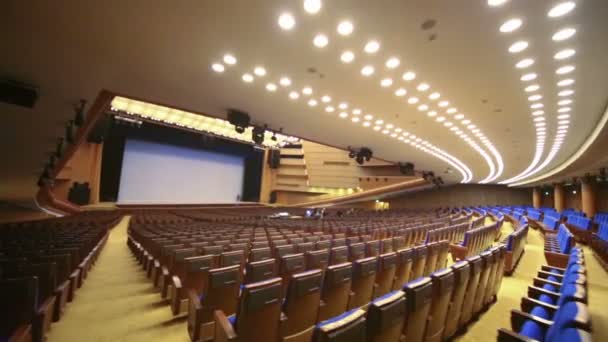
(364, 279)
(317, 259)
(220, 292)
(443, 286)
(356, 251)
(418, 267)
(372, 248)
(419, 295)
(386, 317)
(462, 272)
(260, 270)
(338, 255)
(349, 326)
(301, 306)
(336, 290)
(289, 265)
(387, 266)
(486, 265)
(404, 267)
(259, 254)
(475, 264)
(431, 258)
(257, 317)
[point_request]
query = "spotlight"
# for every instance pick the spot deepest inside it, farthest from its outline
(366, 153)
(273, 137)
(59, 147)
(257, 135)
(406, 168)
(240, 120)
(79, 117)
(69, 132)
(360, 159)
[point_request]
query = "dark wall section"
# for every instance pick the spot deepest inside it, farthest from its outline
(119, 132)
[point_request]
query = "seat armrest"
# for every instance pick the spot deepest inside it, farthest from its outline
(548, 268)
(177, 295)
(527, 304)
(519, 317)
(505, 335)
(195, 318)
(540, 282)
(224, 331)
(536, 292)
(166, 278)
(545, 275)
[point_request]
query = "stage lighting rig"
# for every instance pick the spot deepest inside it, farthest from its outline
(257, 134)
(407, 169)
(361, 155)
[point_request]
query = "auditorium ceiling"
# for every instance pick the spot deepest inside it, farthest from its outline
(500, 91)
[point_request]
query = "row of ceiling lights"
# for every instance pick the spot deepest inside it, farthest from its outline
(344, 110)
(531, 88)
(443, 113)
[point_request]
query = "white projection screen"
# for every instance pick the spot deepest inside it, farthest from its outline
(157, 173)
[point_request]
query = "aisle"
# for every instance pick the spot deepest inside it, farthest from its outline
(117, 302)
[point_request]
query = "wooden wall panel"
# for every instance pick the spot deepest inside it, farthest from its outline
(464, 195)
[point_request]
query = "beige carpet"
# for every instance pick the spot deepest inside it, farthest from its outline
(118, 303)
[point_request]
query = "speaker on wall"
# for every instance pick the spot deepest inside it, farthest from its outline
(274, 158)
(273, 197)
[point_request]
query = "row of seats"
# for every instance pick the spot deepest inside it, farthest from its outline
(42, 266)
(515, 246)
(452, 234)
(599, 245)
(558, 246)
(475, 241)
(581, 227)
(426, 309)
(600, 218)
(555, 308)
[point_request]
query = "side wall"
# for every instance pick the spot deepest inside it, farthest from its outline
(463, 195)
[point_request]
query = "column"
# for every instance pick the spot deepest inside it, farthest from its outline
(588, 196)
(537, 199)
(559, 198)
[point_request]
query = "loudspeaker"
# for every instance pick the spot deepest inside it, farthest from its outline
(102, 127)
(274, 158)
(407, 169)
(273, 197)
(18, 94)
(239, 119)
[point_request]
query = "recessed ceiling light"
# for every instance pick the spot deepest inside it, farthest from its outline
(366, 124)
(540, 124)
(448, 124)
(563, 54)
(400, 92)
(471, 127)
(287, 21)
(294, 95)
(535, 97)
(325, 99)
(285, 81)
(330, 109)
(390, 126)
(459, 116)
(529, 77)
(312, 102)
(431, 113)
(566, 92)
(372, 46)
(387, 82)
(423, 107)
(368, 117)
(398, 130)
(345, 28)
(538, 112)
(355, 119)
(443, 104)
(496, 3)
(343, 105)
(423, 87)
(440, 119)
(312, 6)
(564, 34)
(392, 62)
(518, 46)
(386, 131)
(229, 59)
(453, 129)
(466, 122)
(320, 40)
(434, 96)
(356, 111)
(306, 90)
(563, 122)
(565, 70)
(451, 110)
(259, 71)
(537, 105)
(563, 116)
(409, 75)
(217, 67)
(412, 100)
(247, 78)
(343, 115)
(538, 119)
(531, 88)
(564, 110)
(347, 56)
(524, 63)
(562, 127)
(564, 102)
(379, 122)
(510, 25)
(565, 82)
(271, 87)
(367, 70)
(561, 9)
(377, 128)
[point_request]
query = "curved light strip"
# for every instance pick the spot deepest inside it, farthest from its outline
(423, 92)
(592, 137)
(332, 106)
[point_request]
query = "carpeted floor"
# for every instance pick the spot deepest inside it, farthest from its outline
(118, 303)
